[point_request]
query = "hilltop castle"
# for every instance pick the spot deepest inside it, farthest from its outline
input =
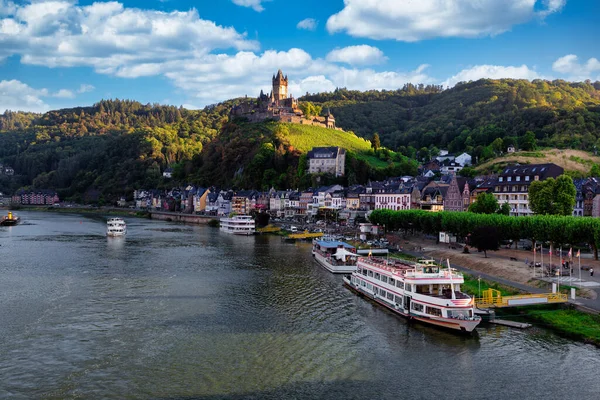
(279, 106)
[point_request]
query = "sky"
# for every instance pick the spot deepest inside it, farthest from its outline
(66, 53)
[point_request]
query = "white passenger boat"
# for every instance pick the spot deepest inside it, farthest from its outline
(337, 257)
(423, 291)
(239, 225)
(116, 227)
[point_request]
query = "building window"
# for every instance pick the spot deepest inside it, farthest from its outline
(527, 178)
(509, 178)
(500, 179)
(518, 179)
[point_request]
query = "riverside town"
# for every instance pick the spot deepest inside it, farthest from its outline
(232, 200)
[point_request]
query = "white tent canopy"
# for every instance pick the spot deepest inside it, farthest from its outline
(342, 253)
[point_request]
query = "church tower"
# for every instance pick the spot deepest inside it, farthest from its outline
(280, 86)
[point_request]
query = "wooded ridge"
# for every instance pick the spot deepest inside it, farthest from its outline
(116, 146)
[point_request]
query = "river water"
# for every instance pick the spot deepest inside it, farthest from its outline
(178, 311)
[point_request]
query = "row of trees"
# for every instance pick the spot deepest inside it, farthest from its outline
(558, 230)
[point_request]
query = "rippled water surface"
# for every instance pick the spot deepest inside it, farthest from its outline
(178, 311)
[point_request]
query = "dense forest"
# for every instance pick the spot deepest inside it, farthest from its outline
(115, 146)
(470, 116)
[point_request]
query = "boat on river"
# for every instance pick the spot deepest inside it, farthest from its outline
(335, 256)
(116, 227)
(239, 225)
(422, 291)
(9, 220)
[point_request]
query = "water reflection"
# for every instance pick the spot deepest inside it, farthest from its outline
(175, 311)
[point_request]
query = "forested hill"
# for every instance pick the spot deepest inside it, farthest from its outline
(116, 146)
(471, 115)
(111, 147)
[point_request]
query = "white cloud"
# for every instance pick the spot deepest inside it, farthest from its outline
(18, 96)
(310, 24)
(569, 65)
(64, 94)
(357, 55)
(108, 36)
(411, 21)
(215, 78)
(492, 72)
(254, 4)
(84, 88)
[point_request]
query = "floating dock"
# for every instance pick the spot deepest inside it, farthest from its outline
(512, 324)
(493, 299)
(304, 235)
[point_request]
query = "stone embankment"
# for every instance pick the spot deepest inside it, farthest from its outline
(179, 217)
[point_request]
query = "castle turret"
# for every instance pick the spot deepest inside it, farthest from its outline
(280, 86)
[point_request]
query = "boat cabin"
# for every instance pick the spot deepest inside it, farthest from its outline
(337, 253)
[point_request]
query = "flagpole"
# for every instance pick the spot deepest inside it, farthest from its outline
(550, 269)
(570, 263)
(542, 255)
(534, 261)
(579, 257)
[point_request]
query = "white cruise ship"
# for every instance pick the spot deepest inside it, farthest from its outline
(336, 257)
(116, 227)
(423, 291)
(239, 225)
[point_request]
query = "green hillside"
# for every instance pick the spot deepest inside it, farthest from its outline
(470, 116)
(305, 137)
(116, 146)
(272, 154)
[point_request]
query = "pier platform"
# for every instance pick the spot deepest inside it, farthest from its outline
(512, 324)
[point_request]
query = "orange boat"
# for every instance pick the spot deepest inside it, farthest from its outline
(9, 220)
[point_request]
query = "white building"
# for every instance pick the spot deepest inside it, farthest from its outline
(394, 200)
(464, 159)
(330, 160)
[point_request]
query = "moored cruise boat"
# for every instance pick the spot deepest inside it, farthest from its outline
(116, 227)
(423, 291)
(337, 257)
(239, 225)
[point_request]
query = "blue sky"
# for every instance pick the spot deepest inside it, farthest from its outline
(65, 53)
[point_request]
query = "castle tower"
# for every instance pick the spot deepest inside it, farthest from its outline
(280, 86)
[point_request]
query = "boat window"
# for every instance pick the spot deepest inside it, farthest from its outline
(364, 272)
(384, 278)
(363, 283)
(371, 274)
(400, 284)
(382, 292)
(369, 286)
(375, 290)
(423, 289)
(377, 275)
(460, 314)
(433, 311)
(390, 296)
(407, 287)
(416, 306)
(392, 281)
(398, 300)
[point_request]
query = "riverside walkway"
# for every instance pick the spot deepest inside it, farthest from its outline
(587, 281)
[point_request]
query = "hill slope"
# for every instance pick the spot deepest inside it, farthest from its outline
(575, 162)
(116, 146)
(271, 154)
(559, 113)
